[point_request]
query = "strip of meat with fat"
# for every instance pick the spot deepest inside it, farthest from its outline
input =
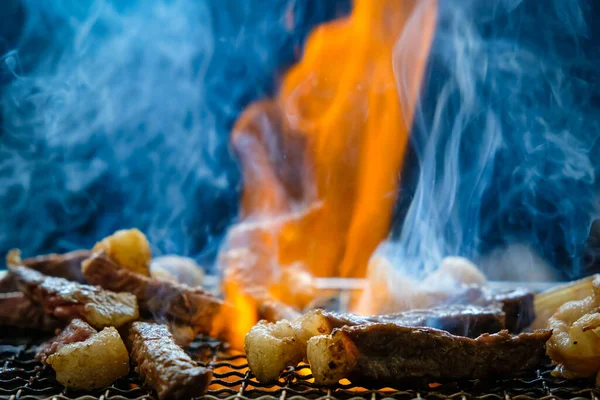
(162, 299)
(271, 347)
(66, 300)
(18, 311)
(163, 365)
(380, 354)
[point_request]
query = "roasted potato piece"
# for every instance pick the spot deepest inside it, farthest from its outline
(128, 248)
(94, 363)
(271, 347)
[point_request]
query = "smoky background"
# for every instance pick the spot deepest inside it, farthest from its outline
(117, 114)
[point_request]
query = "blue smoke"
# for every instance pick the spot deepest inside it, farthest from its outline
(506, 137)
(117, 114)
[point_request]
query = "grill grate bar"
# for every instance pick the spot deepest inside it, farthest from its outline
(21, 377)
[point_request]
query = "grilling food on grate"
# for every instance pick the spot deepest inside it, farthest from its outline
(94, 363)
(162, 299)
(271, 347)
(17, 311)
(386, 353)
(128, 248)
(163, 365)
(66, 265)
(66, 300)
(76, 331)
(575, 343)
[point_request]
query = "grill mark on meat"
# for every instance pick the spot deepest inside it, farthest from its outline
(164, 300)
(76, 331)
(18, 311)
(387, 354)
(163, 365)
(67, 300)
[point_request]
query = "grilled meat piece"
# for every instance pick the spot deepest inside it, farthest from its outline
(66, 265)
(64, 299)
(468, 321)
(183, 335)
(18, 311)
(76, 331)
(517, 304)
(387, 354)
(160, 298)
(163, 365)
(271, 347)
(8, 284)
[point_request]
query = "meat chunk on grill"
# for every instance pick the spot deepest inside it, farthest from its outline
(517, 304)
(18, 311)
(64, 299)
(271, 347)
(381, 354)
(461, 320)
(76, 331)
(163, 365)
(66, 265)
(162, 299)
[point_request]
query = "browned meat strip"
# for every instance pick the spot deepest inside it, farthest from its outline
(66, 265)
(165, 300)
(64, 299)
(8, 284)
(183, 335)
(517, 304)
(17, 311)
(270, 348)
(76, 331)
(387, 354)
(461, 320)
(163, 365)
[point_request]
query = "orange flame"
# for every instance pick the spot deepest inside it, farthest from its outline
(321, 162)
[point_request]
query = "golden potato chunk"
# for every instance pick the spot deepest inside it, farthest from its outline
(129, 248)
(94, 363)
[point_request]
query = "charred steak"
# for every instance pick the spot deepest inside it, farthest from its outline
(163, 365)
(18, 311)
(64, 299)
(162, 299)
(387, 353)
(271, 347)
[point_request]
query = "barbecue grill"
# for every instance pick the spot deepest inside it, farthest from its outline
(22, 377)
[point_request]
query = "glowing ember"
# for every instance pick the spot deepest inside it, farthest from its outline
(321, 161)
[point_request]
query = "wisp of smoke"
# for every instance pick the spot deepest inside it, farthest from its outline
(505, 136)
(117, 114)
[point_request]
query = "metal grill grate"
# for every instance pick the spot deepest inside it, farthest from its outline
(21, 377)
